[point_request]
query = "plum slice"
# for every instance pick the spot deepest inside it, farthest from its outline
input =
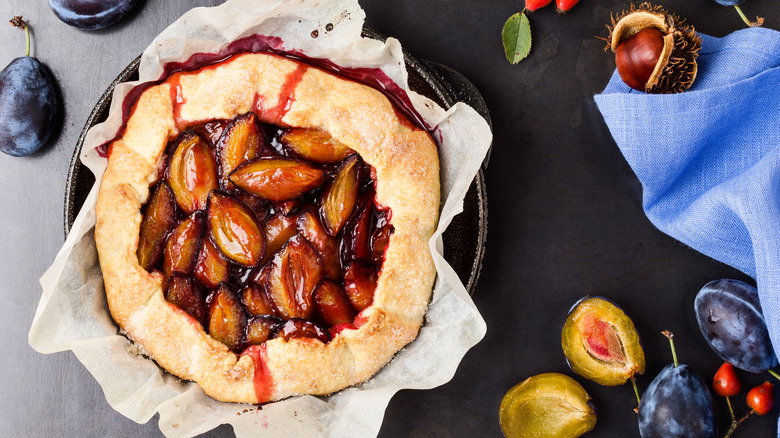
(311, 229)
(315, 145)
(277, 179)
(183, 292)
(549, 404)
(236, 232)
(183, 245)
(212, 130)
(211, 268)
(226, 318)
(332, 305)
(379, 240)
(340, 196)
(192, 172)
(360, 281)
(291, 277)
(301, 328)
(260, 328)
(240, 142)
(601, 343)
(159, 220)
(257, 205)
(256, 301)
(278, 230)
(355, 243)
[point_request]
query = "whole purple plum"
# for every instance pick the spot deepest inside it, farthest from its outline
(677, 404)
(91, 14)
(729, 316)
(28, 103)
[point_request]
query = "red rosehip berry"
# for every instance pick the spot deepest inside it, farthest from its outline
(726, 383)
(761, 398)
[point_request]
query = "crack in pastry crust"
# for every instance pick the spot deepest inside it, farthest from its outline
(286, 93)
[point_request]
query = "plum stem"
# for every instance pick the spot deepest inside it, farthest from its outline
(18, 22)
(758, 23)
(735, 423)
(636, 392)
(773, 373)
(670, 336)
(27, 36)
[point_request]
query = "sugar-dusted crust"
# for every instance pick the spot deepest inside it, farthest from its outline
(407, 175)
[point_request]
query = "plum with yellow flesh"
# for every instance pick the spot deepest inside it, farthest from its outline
(549, 404)
(601, 343)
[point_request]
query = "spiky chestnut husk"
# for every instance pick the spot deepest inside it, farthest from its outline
(676, 68)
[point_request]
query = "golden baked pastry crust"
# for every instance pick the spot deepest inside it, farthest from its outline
(407, 182)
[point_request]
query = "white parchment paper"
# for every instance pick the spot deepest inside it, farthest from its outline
(73, 314)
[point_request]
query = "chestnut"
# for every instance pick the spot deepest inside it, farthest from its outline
(637, 56)
(655, 51)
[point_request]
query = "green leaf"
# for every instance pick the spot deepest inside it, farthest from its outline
(517, 37)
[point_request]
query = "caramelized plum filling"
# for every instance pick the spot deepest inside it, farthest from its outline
(265, 233)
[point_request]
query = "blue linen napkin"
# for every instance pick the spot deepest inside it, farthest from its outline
(709, 158)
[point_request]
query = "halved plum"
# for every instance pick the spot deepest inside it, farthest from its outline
(340, 196)
(549, 405)
(159, 220)
(236, 232)
(311, 229)
(183, 292)
(226, 318)
(601, 343)
(183, 245)
(192, 172)
(277, 179)
(240, 142)
(332, 305)
(315, 145)
(291, 277)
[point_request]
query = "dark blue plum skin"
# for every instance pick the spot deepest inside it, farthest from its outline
(677, 404)
(91, 14)
(729, 316)
(28, 104)
(729, 2)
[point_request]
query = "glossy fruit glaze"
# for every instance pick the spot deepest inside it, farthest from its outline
(263, 232)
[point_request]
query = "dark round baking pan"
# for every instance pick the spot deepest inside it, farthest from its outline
(464, 239)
